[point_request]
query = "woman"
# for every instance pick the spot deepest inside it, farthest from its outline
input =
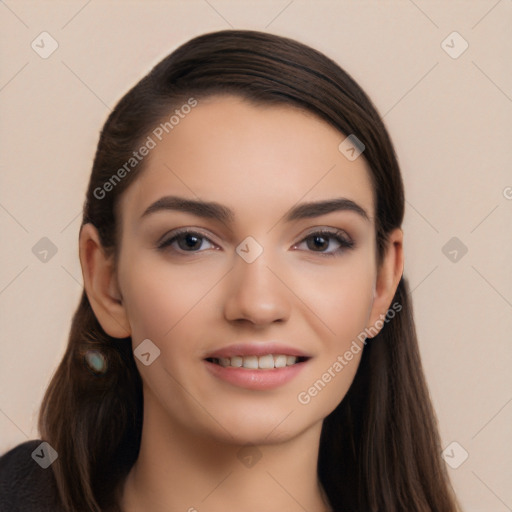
(245, 339)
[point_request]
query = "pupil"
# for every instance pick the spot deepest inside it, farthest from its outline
(194, 239)
(322, 239)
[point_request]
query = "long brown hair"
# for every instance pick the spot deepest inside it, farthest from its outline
(380, 448)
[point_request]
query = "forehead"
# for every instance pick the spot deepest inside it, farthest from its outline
(258, 160)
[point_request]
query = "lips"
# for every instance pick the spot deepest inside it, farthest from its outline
(256, 379)
(258, 366)
(257, 349)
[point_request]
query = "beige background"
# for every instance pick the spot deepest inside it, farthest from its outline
(450, 121)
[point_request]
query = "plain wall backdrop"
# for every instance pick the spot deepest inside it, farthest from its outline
(440, 74)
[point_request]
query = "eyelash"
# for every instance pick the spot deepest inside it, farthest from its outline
(345, 243)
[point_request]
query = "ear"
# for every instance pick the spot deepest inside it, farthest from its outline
(388, 276)
(100, 282)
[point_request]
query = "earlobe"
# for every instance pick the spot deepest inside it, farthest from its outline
(100, 282)
(388, 278)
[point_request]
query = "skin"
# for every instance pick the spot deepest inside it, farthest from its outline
(259, 161)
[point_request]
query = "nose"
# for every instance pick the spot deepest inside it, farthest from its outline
(256, 293)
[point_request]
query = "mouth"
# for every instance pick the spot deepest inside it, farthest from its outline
(254, 362)
(257, 366)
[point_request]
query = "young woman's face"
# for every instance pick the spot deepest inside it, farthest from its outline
(241, 282)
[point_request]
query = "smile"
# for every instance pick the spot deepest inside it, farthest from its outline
(264, 362)
(255, 372)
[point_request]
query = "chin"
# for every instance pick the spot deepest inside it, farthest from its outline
(261, 427)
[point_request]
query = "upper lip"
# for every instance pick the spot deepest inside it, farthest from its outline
(257, 349)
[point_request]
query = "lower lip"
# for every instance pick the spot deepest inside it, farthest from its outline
(256, 379)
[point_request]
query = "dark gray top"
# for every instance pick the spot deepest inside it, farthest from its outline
(24, 485)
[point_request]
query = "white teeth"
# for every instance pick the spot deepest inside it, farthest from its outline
(237, 361)
(280, 361)
(265, 362)
(251, 362)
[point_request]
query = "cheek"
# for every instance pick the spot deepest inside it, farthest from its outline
(159, 296)
(341, 297)
(342, 300)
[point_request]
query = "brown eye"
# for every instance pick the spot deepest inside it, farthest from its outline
(319, 241)
(187, 241)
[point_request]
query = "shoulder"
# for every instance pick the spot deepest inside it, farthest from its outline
(25, 484)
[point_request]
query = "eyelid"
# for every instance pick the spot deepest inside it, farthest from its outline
(179, 231)
(308, 232)
(328, 229)
(345, 241)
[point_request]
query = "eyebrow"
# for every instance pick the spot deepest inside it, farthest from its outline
(213, 210)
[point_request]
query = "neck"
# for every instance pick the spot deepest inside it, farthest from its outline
(180, 470)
